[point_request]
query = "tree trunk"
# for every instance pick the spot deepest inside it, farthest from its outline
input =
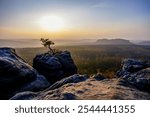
(51, 50)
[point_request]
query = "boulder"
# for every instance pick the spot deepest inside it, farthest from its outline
(136, 72)
(40, 83)
(131, 65)
(68, 65)
(49, 66)
(140, 79)
(55, 67)
(15, 73)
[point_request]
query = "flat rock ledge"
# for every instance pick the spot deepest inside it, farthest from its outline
(88, 89)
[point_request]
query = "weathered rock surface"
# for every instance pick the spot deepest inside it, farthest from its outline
(93, 89)
(40, 83)
(68, 65)
(90, 88)
(136, 72)
(16, 74)
(55, 67)
(72, 79)
(27, 95)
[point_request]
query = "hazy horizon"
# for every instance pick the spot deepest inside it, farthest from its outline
(30, 43)
(75, 19)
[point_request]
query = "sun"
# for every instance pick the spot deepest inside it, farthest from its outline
(52, 23)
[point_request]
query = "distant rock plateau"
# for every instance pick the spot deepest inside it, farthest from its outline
(144, 43)
(113, 42)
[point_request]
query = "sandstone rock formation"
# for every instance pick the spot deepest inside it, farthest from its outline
(93, 89)
(72, 79)
(40, 83)
(89, 88)
(55, 67)
(18, 80)
(136, 72)
(16, 75)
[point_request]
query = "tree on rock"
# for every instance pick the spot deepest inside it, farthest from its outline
(47, 43)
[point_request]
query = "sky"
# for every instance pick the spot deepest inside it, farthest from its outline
(75, 19)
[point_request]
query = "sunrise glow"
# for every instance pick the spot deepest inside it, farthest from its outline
(75, 19)
(51, 23)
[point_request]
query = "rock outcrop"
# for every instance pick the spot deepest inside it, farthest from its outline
(72, 79)
(20, 81)
(39, 84)
(16, 75)
(87, 88)
(136, 72)
(93, 89)
(55, 67)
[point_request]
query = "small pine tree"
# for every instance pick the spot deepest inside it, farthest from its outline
(47, 43)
